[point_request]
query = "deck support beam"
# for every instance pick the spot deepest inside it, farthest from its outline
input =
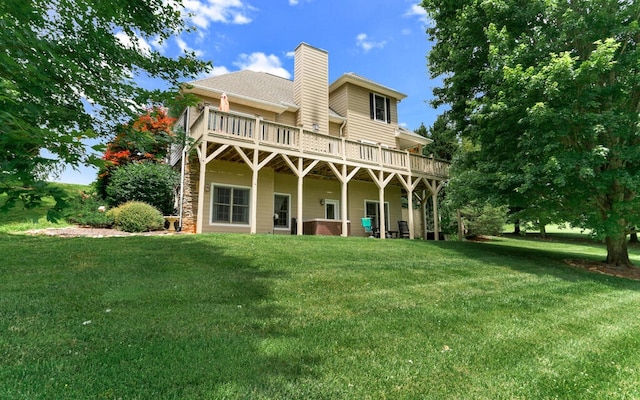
(382, 183)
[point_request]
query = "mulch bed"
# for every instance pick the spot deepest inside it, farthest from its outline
(79, 231)
(606, 269)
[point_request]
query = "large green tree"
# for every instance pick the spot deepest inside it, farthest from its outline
(68, 72)
(549, 93)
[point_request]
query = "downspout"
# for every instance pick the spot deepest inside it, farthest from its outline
(342, 127)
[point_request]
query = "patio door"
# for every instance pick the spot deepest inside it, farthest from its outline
(372, 210)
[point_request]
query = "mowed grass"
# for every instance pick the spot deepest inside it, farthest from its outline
(20, 218)
(281, 317)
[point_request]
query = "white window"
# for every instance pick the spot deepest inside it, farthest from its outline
(281, 210)
(380, 107)
(230, 205)
(331, 209)
(372, 210)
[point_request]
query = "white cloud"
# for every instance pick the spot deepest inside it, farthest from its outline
(204, 12)
(417, 11)
(261, 62)
(159, 44)
(215, 71)
(293, 2)
(131, 43)
(219, 71)
(363, 41)
(184, 47)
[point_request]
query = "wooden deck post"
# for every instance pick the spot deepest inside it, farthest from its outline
(300, 196)
(410, 207)
(202, 158)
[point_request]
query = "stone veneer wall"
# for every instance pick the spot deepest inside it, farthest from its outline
(190, 200)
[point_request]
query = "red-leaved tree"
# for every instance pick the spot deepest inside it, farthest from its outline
(146, 138)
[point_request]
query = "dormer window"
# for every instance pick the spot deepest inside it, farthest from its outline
(380, 107)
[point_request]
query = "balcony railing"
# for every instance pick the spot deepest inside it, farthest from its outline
(266, 133)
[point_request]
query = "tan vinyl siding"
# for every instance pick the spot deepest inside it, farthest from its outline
(334, 129)
(359, 192)
(239, 175)
(314, 191)
(339, 100)
(286, 118)
(360, 126)
(311, 87)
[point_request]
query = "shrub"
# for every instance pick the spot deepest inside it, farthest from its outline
(136, 216)
(483, 220)
(148, 182)
(88, 209)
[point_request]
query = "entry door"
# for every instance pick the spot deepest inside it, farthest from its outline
(372, 210)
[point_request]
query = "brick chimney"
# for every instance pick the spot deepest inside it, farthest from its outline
(311, 87)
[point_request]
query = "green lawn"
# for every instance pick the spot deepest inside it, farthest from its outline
(266, 317)
(20, 218)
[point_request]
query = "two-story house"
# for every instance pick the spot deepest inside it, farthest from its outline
(301, 156)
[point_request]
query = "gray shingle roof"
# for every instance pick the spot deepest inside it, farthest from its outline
(257, 85)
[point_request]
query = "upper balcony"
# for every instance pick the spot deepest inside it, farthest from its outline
(267, 135)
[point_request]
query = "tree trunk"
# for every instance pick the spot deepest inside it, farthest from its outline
(516, 227)
(634, 237)
(543, 230)
(617, 253)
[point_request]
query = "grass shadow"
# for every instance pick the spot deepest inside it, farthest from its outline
(141, 317)
(542, 256)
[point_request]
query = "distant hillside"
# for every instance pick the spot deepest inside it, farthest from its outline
(21, 218)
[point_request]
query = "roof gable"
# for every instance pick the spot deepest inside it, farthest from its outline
(368, 84)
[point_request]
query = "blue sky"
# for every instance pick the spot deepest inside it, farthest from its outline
(382, 40)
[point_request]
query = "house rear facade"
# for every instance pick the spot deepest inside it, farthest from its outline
(300, 156)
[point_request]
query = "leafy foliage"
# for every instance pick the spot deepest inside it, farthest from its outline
(445, 142)
(479, 220)
(148, 182)
(136, 216)
(89, 209)
(145, 138)
(66, 77)
(548, 94)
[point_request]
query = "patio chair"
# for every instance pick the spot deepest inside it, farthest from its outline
(403, 229)
(366, 224)
(376, 233)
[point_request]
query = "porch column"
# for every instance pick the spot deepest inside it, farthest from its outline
(254, 194)
(436, 222)
(383, 217)
(381, 182)
(410, 207)
(435, 187)
(344, 177)
(424, 213)
(300, 194)
(343, 203)
(202, 153)
(409, 185)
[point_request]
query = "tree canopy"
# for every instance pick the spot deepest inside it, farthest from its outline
(68, 72)
(548, 92)
(146, 137)
(445, 141)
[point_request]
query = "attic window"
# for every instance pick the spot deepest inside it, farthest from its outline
(380, 107)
